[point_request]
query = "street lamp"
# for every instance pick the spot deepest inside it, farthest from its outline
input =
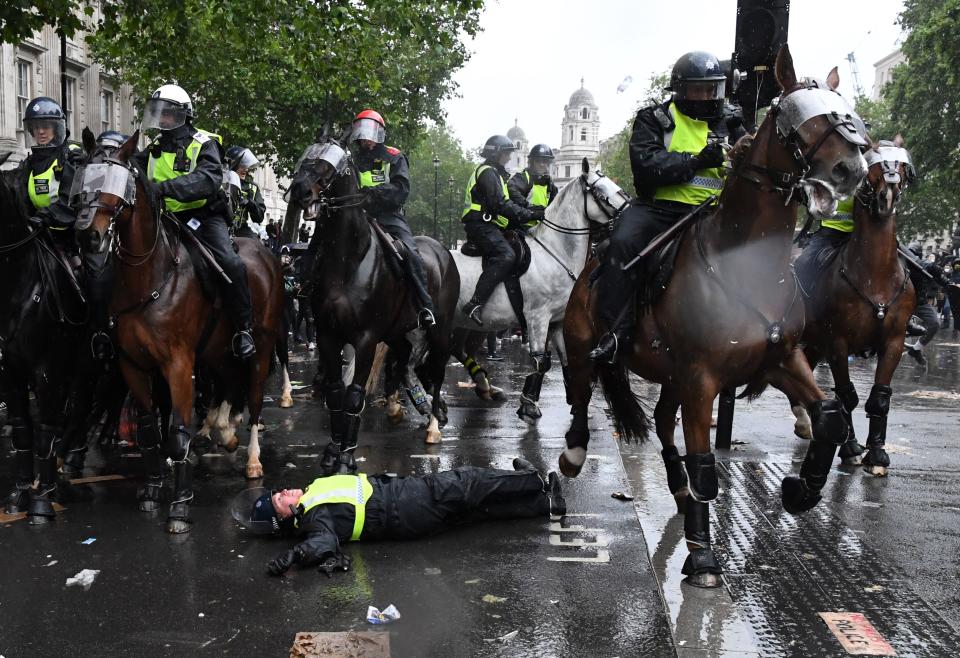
(453, 217)
(436, 191)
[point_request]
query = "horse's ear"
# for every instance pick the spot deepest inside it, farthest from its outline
(897, 141)
(833, 78)
(320, 135)
(89, 141)
(585, 165)
(4, 156)
(129, 147)
(786, 76)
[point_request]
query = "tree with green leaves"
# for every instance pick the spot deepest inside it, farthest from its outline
(19, 20)
(269, 74)
(922, 103)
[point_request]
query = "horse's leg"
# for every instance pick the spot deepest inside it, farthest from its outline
(556, 337)
(876, 461)
(578, 338)
(802, 427)
(539, 335)
(178, 372)
(258, 376)
(397, 373)
(696, 407)
(50, 390)
(329, 358)
(665, 417)
(18, 417)
(353, 402)
(149, 436)
(830, 428)
(470, 343)
(434, 371)
(846, 393)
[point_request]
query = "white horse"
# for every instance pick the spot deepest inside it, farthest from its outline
(559, 248)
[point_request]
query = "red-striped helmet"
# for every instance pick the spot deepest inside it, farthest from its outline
(368, 124)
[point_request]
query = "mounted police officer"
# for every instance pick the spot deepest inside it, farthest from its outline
(336, 509)
(487, 212)
(385, 184)
(186, 165)
(533, 187)
(677, 160)
(250, 206)
(111, 140)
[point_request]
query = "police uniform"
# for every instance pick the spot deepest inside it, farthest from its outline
(340, 508)
(186, 165)
(385, 182)
(527, 190)
(487, 212)
(832, 234)
(251, 208)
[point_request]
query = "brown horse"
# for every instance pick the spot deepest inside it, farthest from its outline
(164, 322)
(732, 313)
(862, 301)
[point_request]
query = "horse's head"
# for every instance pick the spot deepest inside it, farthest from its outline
(822, 135)
(317, 172)
(603, 200)
(104, 190)
(890, 170)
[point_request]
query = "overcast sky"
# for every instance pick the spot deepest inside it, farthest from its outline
(531, 54)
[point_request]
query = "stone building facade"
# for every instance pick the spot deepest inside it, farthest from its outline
(579, 136)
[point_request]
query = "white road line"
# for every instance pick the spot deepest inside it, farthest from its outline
(601, 557)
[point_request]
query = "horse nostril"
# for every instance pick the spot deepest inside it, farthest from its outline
(841, 172)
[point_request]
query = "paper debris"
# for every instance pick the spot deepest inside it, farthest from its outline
(389, 614)
(89, 540)
(490, 598)
(84, 578)
(503, 639)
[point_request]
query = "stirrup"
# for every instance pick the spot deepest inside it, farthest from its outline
(472, 310)
(606, 349)
(425, 319)
(101, 346)
(243, 345)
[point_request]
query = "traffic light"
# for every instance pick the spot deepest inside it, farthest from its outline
(761, 31)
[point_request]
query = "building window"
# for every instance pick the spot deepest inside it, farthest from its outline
(24, 89)
(571, 133)
(106, 110)
(69, 106)
(583, 134)
(566, 171)
(585, 113)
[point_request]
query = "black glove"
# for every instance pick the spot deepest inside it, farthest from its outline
(163, 189)
(334, 563)
(369, 198)
(38, 221)
(711, 156)
(538, 213)
(280, 564)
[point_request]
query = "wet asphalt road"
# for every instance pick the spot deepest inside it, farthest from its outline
(889, 547)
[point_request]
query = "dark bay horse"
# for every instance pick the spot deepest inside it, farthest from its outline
(861, 302)
(358, 299)
(732, 313)
(165, 323)
(42, 326)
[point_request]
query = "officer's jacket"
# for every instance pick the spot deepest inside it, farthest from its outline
(256, 208)
(202, 182)
(653, 165)
(488, 197)
(51, 177)
(526, 191)
(385, 175)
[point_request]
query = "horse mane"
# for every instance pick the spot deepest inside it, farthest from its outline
(740, 150)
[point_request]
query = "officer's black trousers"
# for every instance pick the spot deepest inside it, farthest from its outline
(215, 234)
(498, 256)
(616, 288)
(397, 228)
(411, 507)
(931, 321)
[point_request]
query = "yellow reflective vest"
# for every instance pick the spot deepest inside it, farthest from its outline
(42, 188)
(351, 489)
(161, 168)
(690, 136)
(539, 194)
(468, 203)
(842, 220)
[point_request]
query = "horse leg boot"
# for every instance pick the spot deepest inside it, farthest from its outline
(178, 518)
(18, 500)
(148, 437)
(701, 566)
(676, 477)
(851, 450)
(333, 395)
(41, 510)
(577, 437)
(830, 428)
(529, 409)
(353, 403)
(876, 460)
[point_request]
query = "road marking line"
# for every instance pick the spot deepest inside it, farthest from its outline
(424, 456)
(556, 527)
(601, 557)
(556, 540)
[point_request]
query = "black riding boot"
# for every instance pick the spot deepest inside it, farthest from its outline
(417, 280)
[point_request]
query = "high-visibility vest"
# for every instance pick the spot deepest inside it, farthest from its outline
(42, 188)
(334, 489)
(468, 203)
(239, 216)
(161, 168)
(378, 174)
(842, 220)
(539, 194)
(690, 136)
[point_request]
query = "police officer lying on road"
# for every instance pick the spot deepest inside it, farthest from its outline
(340, 508)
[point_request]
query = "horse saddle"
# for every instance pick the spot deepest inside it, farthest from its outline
(200, 257)
(521, 251)
(656, 269)
(816, 258)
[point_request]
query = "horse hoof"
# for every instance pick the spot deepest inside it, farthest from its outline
(178, 526)
(148, 505)
(704, 580)
(854, 460)
(796, 496)
(232, 444)
(804, 432)
(286, 401)
(254, 471)
(875, 469)
(497, 394)
(680, 498)
(529, 414)
(433, 437)
(568, 466)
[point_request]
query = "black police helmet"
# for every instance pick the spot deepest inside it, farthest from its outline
(112, 139)
(541, 151)
(700, 71)
(44, 111)
(496, 145)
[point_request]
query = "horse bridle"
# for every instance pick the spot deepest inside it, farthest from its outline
(889, 158)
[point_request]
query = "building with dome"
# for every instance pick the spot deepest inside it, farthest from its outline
(579, 138)
(518, 159)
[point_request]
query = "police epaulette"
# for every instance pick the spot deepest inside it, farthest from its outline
(664, 119)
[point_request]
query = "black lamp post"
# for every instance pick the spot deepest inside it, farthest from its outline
(450, 212)
(436, 192)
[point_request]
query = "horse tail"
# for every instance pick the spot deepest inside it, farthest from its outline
(753, 390)
(629, 419)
